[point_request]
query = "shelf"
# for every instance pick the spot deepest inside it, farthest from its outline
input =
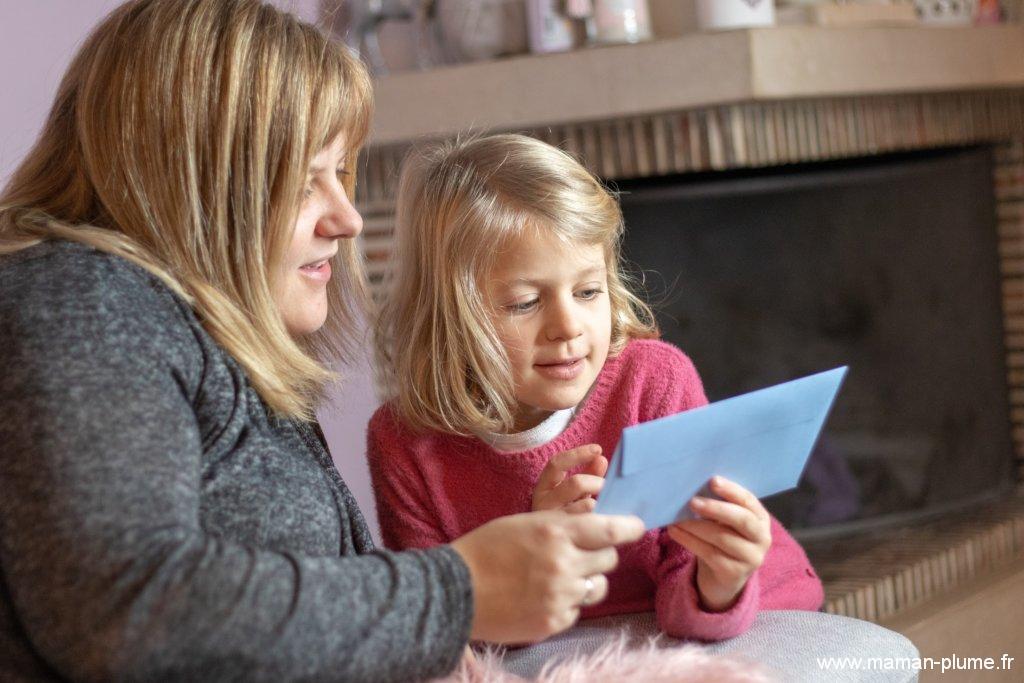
(693, 71)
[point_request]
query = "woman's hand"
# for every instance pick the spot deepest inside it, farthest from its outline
(555, 490)
(730, 541)
(532, 572)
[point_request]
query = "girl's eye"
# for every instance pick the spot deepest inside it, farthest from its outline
(342, 172)
(588, 294)
(307, 192)
(523, 306)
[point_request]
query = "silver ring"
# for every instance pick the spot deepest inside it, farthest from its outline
(588, 593)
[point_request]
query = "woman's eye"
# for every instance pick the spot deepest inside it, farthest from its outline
(588, 294)
(342, 172)
(307, 191)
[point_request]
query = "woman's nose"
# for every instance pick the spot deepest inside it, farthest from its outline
(339, 218)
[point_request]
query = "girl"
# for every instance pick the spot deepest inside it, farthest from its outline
(514, 355)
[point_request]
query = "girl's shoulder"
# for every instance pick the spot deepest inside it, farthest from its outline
(654, 356)
(659, 378)
(387, 426)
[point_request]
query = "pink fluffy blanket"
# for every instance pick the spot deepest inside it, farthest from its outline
(621, 660)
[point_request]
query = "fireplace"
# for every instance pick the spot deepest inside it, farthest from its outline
(836, 164)
(888, 264)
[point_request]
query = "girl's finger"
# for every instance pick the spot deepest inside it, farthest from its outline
(576, 487)
(734, 493)
(598, 466)
(700, 548)
(704, 551)
(560, 463)
(581, 506)
(721, 538)
(740, 519)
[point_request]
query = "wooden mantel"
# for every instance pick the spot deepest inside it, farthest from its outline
(697, 70)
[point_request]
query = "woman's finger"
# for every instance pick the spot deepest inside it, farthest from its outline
(598, 590)
(590, 562)
(590, 532)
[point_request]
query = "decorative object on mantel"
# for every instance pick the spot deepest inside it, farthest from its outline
(833, 13)
(360, 23)
(620, 21)
(397, 35)
(715, 15)
(549, 26)
(946, 12)
(473, 30)
(560, 25)
(988, 12)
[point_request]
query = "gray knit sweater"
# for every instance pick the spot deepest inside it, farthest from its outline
(156, 523)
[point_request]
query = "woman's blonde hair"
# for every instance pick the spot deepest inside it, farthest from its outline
(438, 355)
(180, 139)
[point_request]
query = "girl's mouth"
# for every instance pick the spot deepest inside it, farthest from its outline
(566, 370)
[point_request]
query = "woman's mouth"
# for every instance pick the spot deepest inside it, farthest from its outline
(561, 370)
(319, 271)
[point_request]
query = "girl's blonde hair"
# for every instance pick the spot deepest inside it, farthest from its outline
(438, 356)
(180, 139)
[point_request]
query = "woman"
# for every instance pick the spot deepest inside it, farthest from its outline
(178, 271)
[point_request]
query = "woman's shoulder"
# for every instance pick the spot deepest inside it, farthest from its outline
(68, 293)
(68, 273)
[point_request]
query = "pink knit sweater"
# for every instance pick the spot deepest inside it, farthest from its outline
(432, 488)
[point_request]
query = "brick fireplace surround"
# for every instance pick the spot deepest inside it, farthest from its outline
(886, 91)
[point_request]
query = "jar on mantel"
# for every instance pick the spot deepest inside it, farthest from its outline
(620, 21)
(558, 25)
(718, 15)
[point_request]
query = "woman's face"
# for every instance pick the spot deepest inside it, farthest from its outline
(325, 216)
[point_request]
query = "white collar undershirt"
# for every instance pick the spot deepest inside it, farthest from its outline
(553, 425)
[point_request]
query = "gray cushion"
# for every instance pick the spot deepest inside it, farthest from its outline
(789, 642)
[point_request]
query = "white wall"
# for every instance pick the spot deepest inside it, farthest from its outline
(37, 40)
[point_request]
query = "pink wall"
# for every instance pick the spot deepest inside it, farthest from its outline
(37, 40)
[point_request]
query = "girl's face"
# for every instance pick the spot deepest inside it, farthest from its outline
(549, 303)
(325, 215)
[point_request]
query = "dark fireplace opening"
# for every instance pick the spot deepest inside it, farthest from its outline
(887, 264)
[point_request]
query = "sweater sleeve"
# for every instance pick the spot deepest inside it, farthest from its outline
(109, 573)
(405, 510)
(784, 581)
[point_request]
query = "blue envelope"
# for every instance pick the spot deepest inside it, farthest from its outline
(760, 440)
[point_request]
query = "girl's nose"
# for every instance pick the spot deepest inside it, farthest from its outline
(339, 218)
(563, 323)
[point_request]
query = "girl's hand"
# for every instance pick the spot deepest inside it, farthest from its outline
(557, 491)
(730, 541)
